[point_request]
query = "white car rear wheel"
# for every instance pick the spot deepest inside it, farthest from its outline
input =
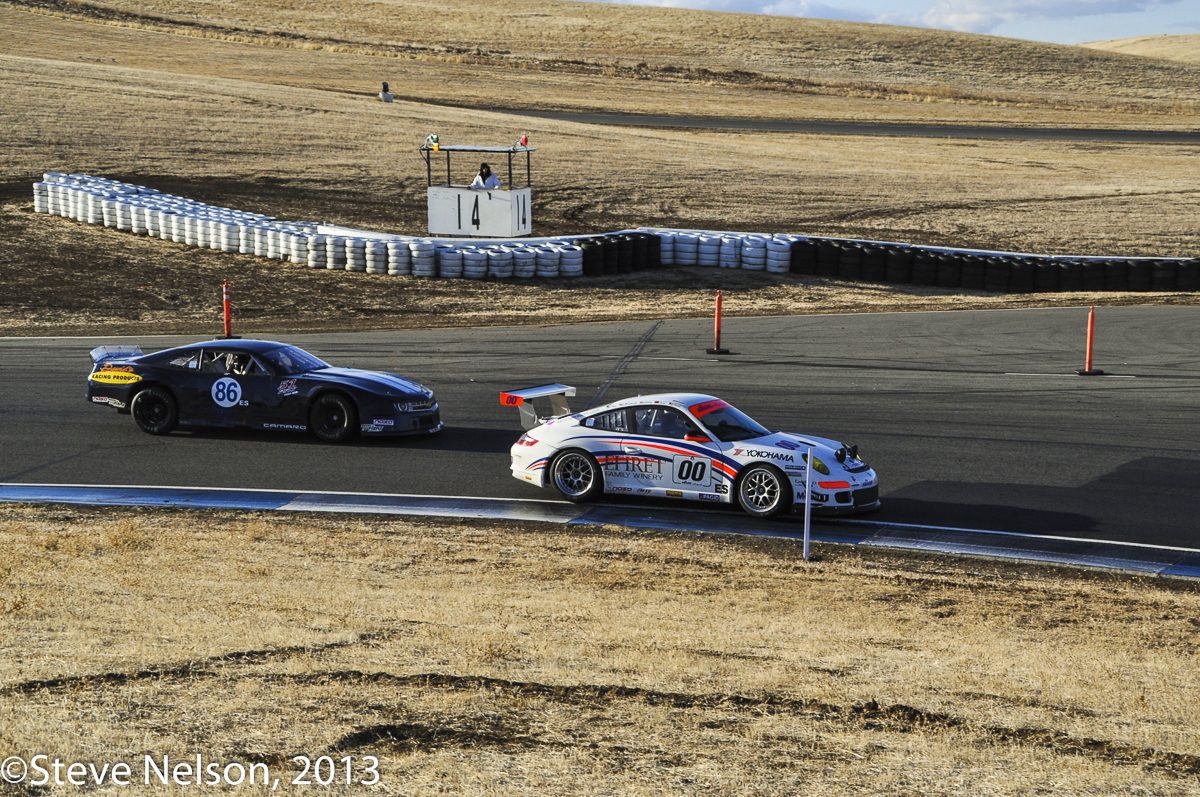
(576, 475)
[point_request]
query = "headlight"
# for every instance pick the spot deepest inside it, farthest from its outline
(403, 406)
(819, 466)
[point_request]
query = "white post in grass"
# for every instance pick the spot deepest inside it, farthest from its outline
(807, 500)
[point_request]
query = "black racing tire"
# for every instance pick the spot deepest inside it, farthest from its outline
(154, 410)
(763, 491)
(577, 476)
(333, 418)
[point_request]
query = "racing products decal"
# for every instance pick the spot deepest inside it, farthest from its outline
(112, 402)
(107, 376)
(226, 392)
(288, 388)
(370, 427)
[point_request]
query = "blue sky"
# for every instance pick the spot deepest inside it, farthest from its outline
(1061, 21)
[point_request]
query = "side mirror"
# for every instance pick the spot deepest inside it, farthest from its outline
(696, 438)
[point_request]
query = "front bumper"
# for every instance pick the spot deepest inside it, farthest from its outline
(401, 423)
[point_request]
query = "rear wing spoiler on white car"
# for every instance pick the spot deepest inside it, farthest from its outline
(523, 400)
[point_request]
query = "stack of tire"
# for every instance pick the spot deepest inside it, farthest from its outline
(666, 248)
(525, 262)
(570, 261)
(754, 253)
(449, 262)
(547, 261)
(475, 263)
(500, 262)
(399, 259)
(708, 250)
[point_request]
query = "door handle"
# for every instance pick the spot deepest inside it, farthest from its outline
(632, 450)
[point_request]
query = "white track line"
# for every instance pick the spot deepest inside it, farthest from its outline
(1011, 534)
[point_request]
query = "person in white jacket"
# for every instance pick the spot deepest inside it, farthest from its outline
(485, 179)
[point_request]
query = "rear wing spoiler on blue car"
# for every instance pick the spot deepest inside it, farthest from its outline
(523, 400)
(102, 353)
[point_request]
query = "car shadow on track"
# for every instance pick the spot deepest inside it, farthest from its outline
(467, 439)
(1150, 500)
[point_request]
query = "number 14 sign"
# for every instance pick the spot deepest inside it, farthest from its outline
(466, 212)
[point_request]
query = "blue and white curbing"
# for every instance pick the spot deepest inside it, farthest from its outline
(1152, 560)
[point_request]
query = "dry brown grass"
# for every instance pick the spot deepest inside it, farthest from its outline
(279, 131)
(477, 657)
(1184, 47)
(654, 45)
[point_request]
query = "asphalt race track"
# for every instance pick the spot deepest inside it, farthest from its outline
(973, 419)
(898, 130)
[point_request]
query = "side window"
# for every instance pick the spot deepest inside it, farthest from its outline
(188, 360)
(614, 421)
(662, 422)
(255, 368)
(213, 362)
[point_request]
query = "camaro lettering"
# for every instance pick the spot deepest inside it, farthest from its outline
(285, 426)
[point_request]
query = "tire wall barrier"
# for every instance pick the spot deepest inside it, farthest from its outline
(139, 210)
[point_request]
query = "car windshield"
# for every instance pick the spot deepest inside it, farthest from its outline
(290, 360)
(727, 423)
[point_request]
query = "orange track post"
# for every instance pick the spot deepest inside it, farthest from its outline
(716, 349)
(228, 311)
(1091, 337)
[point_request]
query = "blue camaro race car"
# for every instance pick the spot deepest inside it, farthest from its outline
(259, 384)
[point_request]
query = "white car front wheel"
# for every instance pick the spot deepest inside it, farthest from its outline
(763, 491)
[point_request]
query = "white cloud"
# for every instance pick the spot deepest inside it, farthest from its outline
(804, 8)
(983, 16)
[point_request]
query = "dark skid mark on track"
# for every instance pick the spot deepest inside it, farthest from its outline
(869, 128)
(623, 364)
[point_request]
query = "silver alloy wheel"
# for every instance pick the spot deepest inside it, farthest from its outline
(574, 474)
(761, 491)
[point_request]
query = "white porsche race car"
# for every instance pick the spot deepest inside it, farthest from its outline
(683, 445)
